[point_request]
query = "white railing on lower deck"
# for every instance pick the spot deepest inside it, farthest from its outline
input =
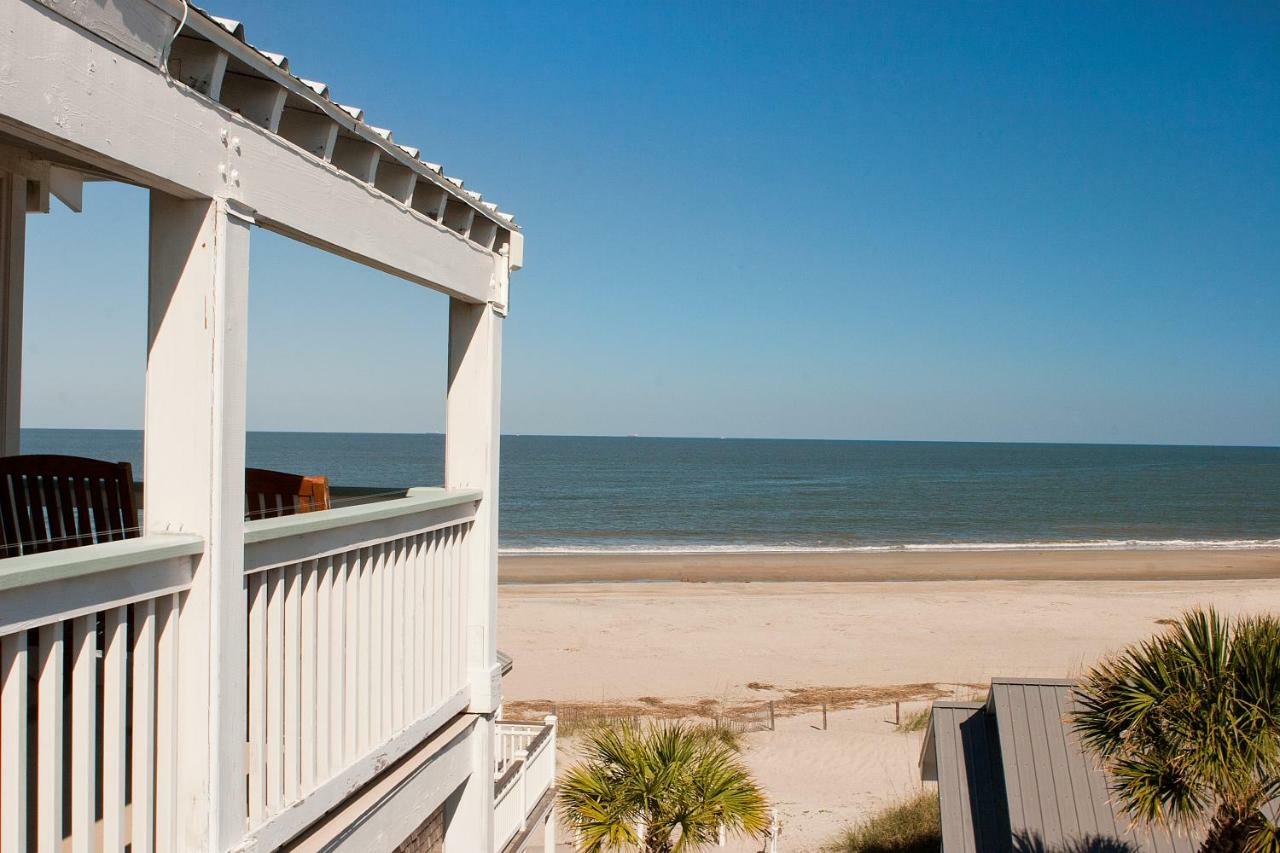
(525, 769)
(512, 737)
(357, 647)
(88, 690)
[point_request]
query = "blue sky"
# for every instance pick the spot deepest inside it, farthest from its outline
(1022, 221)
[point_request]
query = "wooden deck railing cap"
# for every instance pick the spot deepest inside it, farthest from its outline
(417, 500)
(32, 569)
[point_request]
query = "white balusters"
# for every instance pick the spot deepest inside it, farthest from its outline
(15, 787)
(525, 759)
(84, 781)
(108, 769)
(51, 703)
(347, 650)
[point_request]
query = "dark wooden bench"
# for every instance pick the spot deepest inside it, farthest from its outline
(49, 502)
(271, 494)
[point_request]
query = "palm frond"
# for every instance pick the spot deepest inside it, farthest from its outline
(673, 779)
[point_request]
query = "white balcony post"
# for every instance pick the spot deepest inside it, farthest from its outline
(549, 830)
(471, 461)
(13, 236)
(194, 466)
(469, 811)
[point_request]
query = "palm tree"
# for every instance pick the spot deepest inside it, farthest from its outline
(661, 788)
(1187, 725)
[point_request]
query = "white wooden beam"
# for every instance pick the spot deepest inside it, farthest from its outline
(458, 216)
(429, 200)
(396, 181)
(357, 158)
(194, 455)
(515, 250)
(314, 133)
(113, 114)
(483, 232)
(261, 101)
(38, 193)
(141, 35)
(13, 238)
(67, 186)
(199, 64)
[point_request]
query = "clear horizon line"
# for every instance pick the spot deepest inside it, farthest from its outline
(726, 438)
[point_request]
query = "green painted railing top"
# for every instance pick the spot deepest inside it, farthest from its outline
(32, 569)
(417, 500)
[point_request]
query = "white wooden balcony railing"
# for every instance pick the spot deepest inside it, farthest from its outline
(357, 652)
(357, 647)
(524, 770)
(88, 693)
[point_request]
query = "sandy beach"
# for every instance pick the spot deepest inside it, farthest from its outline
(843, 634)
(1014, 564)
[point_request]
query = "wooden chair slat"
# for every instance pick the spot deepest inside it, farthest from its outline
(9, 518)
(117, 523)
(83, 521)
(101, 515)
(27, 532)
(41, 525)
(67, 510)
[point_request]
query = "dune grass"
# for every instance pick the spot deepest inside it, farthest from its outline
(915, 721)
(911, 826)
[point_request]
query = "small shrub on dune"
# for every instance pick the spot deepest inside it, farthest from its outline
(659, 788)
(911, 826)
(916, 721)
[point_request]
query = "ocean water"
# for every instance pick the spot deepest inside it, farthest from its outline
(574, 494)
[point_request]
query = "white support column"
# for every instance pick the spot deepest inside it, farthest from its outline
(549, 831)
(468, 815)
(471, 461)
(194, 465)
(13, 236)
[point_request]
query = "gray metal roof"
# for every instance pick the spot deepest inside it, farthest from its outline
(1018, 750)
(964, 759)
